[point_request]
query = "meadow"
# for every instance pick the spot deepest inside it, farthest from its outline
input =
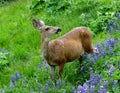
(22, 69)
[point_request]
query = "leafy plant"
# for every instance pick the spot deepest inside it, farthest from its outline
(3, 58)
(49, 6)
(96, 18)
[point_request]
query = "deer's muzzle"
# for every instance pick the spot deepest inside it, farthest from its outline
(58, 30)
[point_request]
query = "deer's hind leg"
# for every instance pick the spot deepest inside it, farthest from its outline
(80, 59)
(61, 68)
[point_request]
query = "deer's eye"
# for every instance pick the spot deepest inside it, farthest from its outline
(46, 29)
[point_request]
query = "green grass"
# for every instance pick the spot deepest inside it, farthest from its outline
(23, 42)
(18, 36)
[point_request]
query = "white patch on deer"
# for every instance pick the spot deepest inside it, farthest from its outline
(46, 39)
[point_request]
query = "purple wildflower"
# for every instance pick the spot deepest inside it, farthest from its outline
(88, 58)
(111, 81)
(94, 54)
(45, 65)
(99, 47)
(91, 64)
(81, 89)
(46, 88)
(17, 75)
(3, 50)
(81, 69)
(115, 85)
(87, 16)
(86, 86)
(73, 90)
(114, 25)
(118, 15)
(101, 90)
(107, 45)
(92, 89)
(113, 21)
(109, 25)
(87, 83)
(112, 42)
(105, 65)
(58, 83)
(91, 72)
(95, 58)
(111, 51)
(106, 86)
(95, 79)
(109, 42)
(39, 65)
(11, 85)
(48, 82)
(103, 54)
(13, 79)
(99, 78)
(111, 71)
(110, 29)
(85, 56)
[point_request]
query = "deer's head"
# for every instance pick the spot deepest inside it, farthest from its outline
(44, 29)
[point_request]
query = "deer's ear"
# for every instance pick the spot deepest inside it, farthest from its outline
(35, 23)
(38, 24)
(41, 23)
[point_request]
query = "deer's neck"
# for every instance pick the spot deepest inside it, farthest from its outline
(45, 43)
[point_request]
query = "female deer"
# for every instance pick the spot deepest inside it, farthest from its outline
(66, 48)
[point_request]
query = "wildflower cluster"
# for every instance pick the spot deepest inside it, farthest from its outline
(113, 25)
(14, 78)
(107, 49)
(96, 84)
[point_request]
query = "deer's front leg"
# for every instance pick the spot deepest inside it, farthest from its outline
(52, 72)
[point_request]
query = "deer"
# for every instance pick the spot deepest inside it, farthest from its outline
(64, 49)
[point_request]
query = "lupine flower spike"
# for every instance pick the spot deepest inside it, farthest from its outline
(111, 71)
(73, 90)
(81, 89)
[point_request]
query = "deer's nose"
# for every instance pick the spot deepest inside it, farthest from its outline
(58, 30)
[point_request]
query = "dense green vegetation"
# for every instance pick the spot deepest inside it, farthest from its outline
(21, 66)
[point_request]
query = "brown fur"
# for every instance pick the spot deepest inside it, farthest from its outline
(66, 48)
